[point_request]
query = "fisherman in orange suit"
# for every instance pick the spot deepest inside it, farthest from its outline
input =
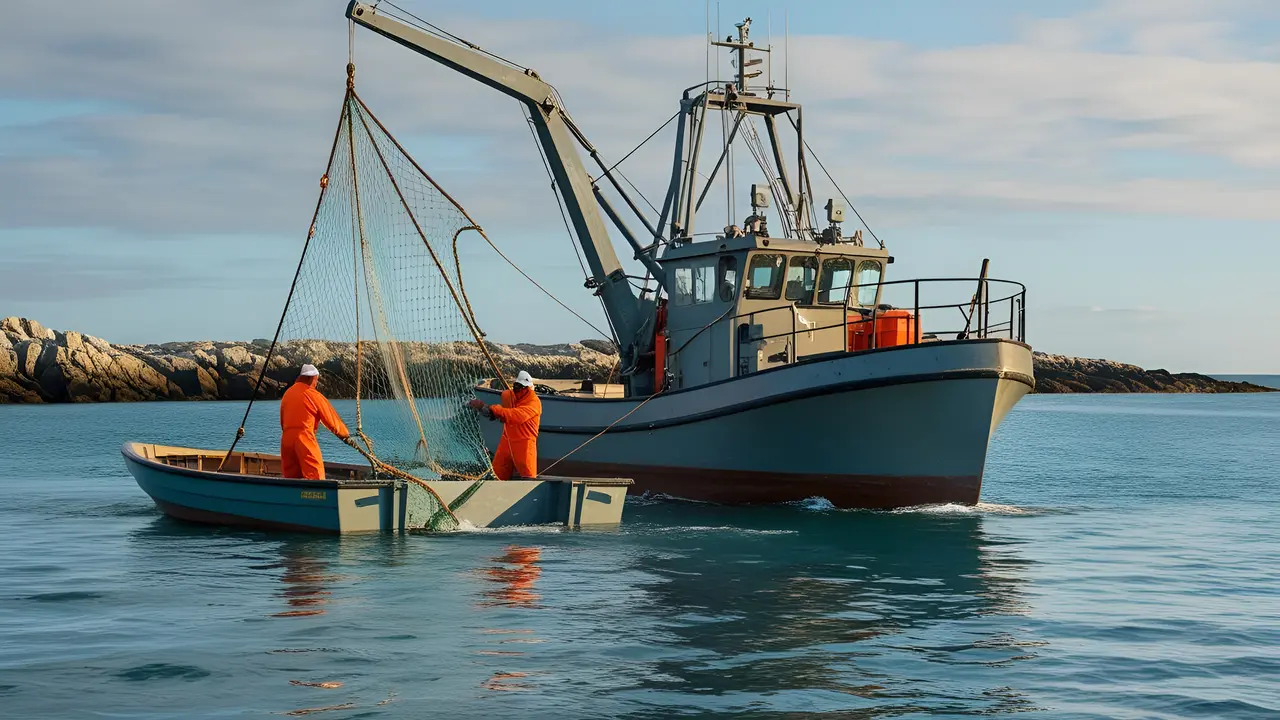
(520, 413)
(301, 409)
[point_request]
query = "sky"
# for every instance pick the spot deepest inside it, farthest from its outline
(159, 161)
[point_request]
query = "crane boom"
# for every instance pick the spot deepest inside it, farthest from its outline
(557, 136)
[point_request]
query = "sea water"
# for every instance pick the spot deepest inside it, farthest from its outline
(1124, 563)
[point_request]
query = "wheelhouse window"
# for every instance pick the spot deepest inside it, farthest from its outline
(695, 285)
(704, 286)
(764, 277)
(868, 282)
(833, 285)
(727, 271)
(802, 277)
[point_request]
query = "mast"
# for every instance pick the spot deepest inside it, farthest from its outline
(557, 135)
(743, 96)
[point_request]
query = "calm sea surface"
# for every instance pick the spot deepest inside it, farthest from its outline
(1125, 564)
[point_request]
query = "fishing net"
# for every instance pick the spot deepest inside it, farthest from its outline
(378, 305)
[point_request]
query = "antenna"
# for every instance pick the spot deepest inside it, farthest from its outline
(708, 41)
(786, 53)
(768, 29)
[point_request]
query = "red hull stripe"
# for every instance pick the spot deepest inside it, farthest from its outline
(749, 487)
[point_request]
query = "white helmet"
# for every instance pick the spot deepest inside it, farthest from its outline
(524, 380)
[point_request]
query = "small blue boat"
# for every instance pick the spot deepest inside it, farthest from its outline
(185, 483)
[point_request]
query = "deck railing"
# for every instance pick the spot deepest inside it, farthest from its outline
(978, 317)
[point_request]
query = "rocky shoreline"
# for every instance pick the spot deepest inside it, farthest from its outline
(40, 365)
(1066, 374)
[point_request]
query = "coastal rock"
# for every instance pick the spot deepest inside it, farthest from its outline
(12, 328)
(36, 330)
(237, 359)
(14, 391)
(28, 353)
(8, 362)
(605, 347)
(40, 365)
(1065, 374)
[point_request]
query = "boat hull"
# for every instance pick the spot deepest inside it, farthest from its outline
(881, 429)
(357, 504)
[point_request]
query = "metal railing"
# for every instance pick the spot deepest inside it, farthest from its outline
(974, 321)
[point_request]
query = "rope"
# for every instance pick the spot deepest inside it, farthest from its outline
(588, 441)
(311, 231)
(457, 266)
(637, 407)
(546, 292)
(447, 196)
(358, 248)
(704, 329)
(628, 414)
(396, 356)
(434, 257)
(397, 472)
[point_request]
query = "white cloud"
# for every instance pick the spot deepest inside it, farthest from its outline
(222, 112)
(226, 113)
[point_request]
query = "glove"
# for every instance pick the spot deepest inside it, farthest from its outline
(350, 442)
(476, 404)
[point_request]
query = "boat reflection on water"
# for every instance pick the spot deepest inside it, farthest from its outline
(306, 579)
(512, 578)
(828, 602)
(513, 575)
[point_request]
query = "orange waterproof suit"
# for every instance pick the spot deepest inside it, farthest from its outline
(520, 413)
(301, 409)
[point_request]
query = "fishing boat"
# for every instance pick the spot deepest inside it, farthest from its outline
(770, 360)
(247, 490)
(376, 313)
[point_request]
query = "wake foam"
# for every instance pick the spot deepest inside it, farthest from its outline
(822, 505)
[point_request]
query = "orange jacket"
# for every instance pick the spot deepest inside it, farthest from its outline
(302, 406)
(520, 415)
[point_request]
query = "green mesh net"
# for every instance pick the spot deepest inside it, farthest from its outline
(379, 307)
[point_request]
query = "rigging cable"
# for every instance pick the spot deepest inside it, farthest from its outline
(427, 27)
(560, 106)
(642, 142)
(630, 412)
(837, 187)
(546, 292)
(569, 234)
(555, 191)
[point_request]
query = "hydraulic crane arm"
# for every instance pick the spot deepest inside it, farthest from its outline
(557, 137)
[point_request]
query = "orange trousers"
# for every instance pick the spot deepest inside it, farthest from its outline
(518, 459)
(300, 455)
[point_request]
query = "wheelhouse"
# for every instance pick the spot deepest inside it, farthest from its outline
(740, 305)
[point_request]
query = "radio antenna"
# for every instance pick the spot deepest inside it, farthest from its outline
(786, 53)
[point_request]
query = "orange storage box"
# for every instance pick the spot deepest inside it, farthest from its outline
(891, 328)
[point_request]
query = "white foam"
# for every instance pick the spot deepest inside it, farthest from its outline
(729, 528)
(465, 526)
(957, 509)
(816, 503)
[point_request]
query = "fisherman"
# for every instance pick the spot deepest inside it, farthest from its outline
(301, 409)
(520, 413)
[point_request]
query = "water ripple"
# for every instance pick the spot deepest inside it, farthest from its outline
(1122, 565)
